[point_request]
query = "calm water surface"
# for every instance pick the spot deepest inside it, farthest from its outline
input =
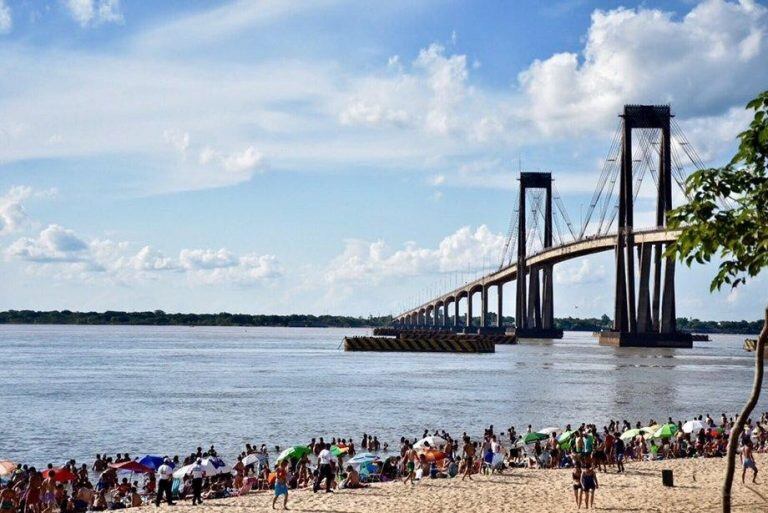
(70, 391)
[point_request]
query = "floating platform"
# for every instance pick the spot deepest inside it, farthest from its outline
(700, 337)
(668, 340)
(447, 343)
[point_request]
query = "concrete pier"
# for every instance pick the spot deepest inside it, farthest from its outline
(624, 339)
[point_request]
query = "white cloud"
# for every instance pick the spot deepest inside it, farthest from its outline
(178, 140)
(64, 255)
(95, 12)
(578, 272)
(363, 261)
(703, 63)
(13, 215)
(54, 244)
(245, 161)
(6, 20)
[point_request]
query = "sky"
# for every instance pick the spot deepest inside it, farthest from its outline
(337, 157)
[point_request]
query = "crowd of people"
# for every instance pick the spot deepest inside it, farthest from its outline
(341, 463)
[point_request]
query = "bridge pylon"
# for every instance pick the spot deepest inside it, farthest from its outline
(534, 308)
(644, 317)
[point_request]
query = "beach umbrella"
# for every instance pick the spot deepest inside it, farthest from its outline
(530, 438)
(549, 430)
(433, 441)
(61, 474)
(629, 434)
(7, 467)
(665, 431)
(250, 459)
(132, 466)
(294, 453)
(694, 426)
(211, 467)
(152, 461)
(337, 450)
(362, 459)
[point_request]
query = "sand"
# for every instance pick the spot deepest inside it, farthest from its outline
(697, 488)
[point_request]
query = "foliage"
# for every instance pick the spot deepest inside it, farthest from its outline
(727, 212)
(160, 318)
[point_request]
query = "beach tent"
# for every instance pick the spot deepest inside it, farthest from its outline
(694, 426)
(250, 459)
(436, 442)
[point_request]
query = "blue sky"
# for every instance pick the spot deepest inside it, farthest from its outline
(325, 157)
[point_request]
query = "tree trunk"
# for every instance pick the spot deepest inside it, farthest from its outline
(733, 440)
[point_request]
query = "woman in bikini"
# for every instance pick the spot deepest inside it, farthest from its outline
(577, 491)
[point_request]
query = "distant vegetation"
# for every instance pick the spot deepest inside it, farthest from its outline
(160, 318)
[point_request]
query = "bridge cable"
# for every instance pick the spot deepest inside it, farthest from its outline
(610, 160)
(561, 207)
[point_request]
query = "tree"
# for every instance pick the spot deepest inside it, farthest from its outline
(726, 218)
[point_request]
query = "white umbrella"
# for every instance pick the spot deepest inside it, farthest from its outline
(550, 430)
(694, 426)
(250, 459)
(211, 467)
(433, 441)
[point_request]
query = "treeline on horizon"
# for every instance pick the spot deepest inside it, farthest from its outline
(161, 318)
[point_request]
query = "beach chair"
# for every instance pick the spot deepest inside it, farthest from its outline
(176, 488)
(369, 474)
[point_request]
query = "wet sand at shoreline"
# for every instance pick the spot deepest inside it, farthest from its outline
(697, 488)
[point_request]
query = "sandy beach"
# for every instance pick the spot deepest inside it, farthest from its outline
(697, 488)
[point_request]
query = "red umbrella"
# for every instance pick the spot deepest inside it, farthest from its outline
(434, 455)
(132, 466)
(60, 474)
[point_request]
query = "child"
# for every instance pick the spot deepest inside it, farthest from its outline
(281, 484)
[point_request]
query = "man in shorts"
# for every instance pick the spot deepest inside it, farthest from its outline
(748, 461)
(281, 484)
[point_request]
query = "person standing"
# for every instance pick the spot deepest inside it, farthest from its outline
(197, 474)
(410, 463)
(281, 484)
(589, 484)
(748, 461)
(469, 458)
(164, 483)
(325, 471)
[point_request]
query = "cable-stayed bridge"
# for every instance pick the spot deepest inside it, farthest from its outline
(647, 142)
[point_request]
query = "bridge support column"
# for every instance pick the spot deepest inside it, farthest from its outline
(456, 312)
(547, 302)
(484, 308)
(469, 310)
(499, 303)
(637, 319)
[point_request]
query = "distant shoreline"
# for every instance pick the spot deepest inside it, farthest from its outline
(225, 319)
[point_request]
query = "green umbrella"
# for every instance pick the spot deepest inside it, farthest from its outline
(294, 453)
(529, 438)
(629, 434)
(665, 431)
(564, 440)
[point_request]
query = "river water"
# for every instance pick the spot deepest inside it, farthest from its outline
(72, 391)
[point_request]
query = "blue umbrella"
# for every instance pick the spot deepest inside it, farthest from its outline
(152, 462)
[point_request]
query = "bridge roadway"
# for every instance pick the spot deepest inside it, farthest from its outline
(553, 255)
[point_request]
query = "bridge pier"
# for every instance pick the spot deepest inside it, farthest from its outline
(638, 321)
(499, 303)
(534, 312)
